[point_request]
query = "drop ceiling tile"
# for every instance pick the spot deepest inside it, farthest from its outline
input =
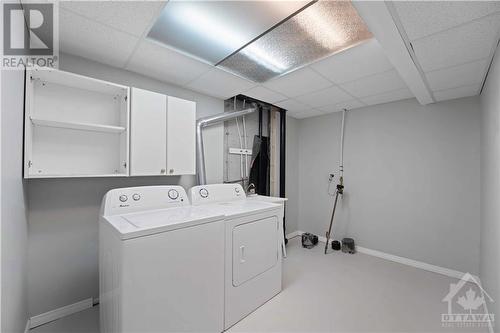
(375, 84)
(465, 91)
(88, 39)
(348, 105)
(289, 112)
(293, 113)
(292, 105)
(387, 97)
(324, 97)
(467, 74)
(133, 17)
(219, 83)
(164, 64)
(354, 63)
(308, 114)
(423, 18)
(297, 83)
(265, 95)
(456, 46)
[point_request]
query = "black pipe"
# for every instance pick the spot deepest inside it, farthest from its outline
(268, 171)
(260, 121)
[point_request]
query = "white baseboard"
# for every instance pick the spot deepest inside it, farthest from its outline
(410, 262)
(401, 260)
(64, 311)
(293, 234)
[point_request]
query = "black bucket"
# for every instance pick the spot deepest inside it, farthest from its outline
(309, 240)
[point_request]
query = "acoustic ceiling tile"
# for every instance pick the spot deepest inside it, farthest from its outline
(297, 83)
(324, 97)
(363, 60)
(307, 114)
(459, 45)
(423, 18)
(348, 105)
(375, 84)
(219, 83)
(133, 17)
(88, 39)
(387, 97)
(459, 92)
(292, 105)
(164, 64)
(467, 74)
(263, 94)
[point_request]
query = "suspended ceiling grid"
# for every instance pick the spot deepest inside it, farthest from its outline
(453, 54)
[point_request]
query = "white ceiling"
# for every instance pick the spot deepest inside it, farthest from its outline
(453, 44)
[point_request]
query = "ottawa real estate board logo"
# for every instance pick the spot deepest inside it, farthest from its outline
(30, 35)
(467, 304)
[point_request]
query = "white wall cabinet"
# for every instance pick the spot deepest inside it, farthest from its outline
(181, 136)
(148, 135)
(162, 135)
(75, 126)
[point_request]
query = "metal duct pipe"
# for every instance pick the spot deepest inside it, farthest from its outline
(207, 121)
(342, 145)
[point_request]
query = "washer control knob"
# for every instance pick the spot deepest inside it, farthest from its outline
(136, 197)
(204, 193)
(237, 190)
(123, 198)
(173, 194)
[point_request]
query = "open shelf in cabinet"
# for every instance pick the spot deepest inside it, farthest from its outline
(75, 126)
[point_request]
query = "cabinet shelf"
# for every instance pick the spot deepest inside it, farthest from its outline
(80, 176)
(77, 125)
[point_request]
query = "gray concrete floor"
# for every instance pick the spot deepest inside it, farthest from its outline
(333, 293)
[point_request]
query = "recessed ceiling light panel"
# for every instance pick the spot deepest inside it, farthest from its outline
(213, 30)
(320, 30)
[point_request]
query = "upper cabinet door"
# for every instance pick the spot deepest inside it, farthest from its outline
(181, 141)
(148, 135)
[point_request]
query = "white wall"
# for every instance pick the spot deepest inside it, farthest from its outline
(63, 229)
(490, 187)
(411, 178)
(14, 227)
(292, 175)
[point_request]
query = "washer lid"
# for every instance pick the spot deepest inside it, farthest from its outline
(161, 220)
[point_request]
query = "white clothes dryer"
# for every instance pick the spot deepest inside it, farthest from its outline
(253, 236)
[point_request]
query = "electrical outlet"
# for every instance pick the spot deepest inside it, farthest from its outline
(330, 177)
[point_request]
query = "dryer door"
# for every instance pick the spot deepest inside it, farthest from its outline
(255, 249)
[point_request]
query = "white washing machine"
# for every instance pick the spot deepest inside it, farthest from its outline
(161, 262)
(253, 247)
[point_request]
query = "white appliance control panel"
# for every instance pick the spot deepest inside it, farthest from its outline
(203, 194)
(133, 199)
